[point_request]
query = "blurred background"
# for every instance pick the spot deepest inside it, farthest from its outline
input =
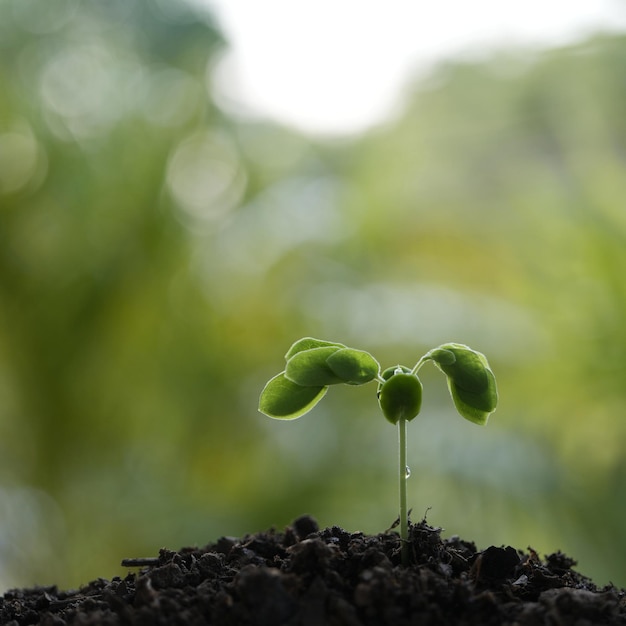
(163, 242)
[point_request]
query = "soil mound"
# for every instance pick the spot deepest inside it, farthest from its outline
(305, 576)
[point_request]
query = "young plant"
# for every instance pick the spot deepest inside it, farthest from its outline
(313, 365)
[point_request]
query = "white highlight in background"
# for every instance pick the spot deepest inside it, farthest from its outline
(339, 66)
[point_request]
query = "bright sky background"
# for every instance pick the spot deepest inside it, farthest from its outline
(338, 66)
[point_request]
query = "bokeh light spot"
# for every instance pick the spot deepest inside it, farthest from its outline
(80, 87)
(205, 175)
(19, 159)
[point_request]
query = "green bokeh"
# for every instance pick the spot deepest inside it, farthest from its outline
(157, 256)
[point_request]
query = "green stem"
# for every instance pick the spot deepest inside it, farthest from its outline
(421, 362)
(404, 516)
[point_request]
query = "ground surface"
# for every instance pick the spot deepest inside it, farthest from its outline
(307, 576)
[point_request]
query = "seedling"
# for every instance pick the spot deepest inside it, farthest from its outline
(313, 365)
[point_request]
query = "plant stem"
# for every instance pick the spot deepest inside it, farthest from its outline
(421, 362)
(404, 516)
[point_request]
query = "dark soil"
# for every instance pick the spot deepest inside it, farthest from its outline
(307, 576)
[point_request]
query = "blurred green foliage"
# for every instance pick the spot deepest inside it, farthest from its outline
(156, 255)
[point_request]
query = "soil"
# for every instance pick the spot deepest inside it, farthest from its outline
(305, 576)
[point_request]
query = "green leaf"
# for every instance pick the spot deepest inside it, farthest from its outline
(310, 369)
(283, 399)
(308, 343)
(400, 397)
(469, 368)
(354, 367)
(389, 372)
(471, 382)
(475, 407)
(442, 356)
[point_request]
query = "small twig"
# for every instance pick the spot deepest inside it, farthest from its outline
(140, 561)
